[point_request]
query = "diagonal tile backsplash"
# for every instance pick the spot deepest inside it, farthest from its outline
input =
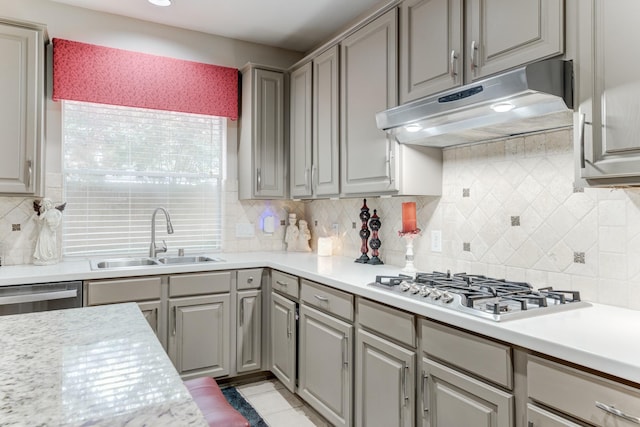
(509, 209)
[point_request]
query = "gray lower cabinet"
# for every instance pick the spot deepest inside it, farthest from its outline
(538, 417)
(325, 362)
(283, 340)
(451, 398)
(249, 328)
(199, 335)
(145, 291)
(385, 385)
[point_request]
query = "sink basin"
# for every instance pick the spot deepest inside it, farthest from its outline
(187, 259)
(122, 263)
(118, 263)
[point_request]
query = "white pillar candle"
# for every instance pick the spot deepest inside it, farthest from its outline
(325, 246)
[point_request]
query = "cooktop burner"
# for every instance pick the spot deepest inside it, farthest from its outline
(495, 299)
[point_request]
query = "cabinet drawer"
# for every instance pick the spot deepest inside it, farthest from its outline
(388, 321)
(538, 417)
(249, 279)
(580, 394)
(198, 284)
(488, 359)
(285, 284)
(114, 291)
(328, 299)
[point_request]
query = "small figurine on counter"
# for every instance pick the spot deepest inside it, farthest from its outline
(292, 234)
(304, 237)
(46, 252)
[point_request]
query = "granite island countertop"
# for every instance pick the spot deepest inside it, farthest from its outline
(599, 337)
(98, 366)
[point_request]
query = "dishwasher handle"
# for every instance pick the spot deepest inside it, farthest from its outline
(41, 296)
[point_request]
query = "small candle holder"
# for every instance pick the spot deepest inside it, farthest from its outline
(364, 233)
(408, 237)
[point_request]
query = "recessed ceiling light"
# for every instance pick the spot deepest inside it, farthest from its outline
(503, 107)
(160, 2)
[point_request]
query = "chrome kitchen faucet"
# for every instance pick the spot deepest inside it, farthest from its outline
(153, 249)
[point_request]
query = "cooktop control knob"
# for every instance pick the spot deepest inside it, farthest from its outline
(425, 291)
(435, 294)
(415, 288)
(447, 297)
(404, 286)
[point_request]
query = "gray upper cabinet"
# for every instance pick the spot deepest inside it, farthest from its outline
(430, 47)
(372, 162)
(22, 49)
(499, 35)
(607, 130)
(261, 154)
(326, 128)
(368, 84)
(300, 139)
(503, 34)
(314, 134)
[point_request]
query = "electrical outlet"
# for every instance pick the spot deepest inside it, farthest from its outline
(245, 229)
(436, 241)
(335, 229)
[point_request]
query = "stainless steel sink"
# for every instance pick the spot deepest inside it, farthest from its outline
(122, 263)
(119, 263)
(187, 259)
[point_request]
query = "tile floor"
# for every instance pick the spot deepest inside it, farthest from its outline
(278, 407)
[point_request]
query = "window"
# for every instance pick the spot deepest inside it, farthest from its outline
(121, 163)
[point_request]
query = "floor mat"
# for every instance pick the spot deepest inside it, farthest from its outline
(241, 405)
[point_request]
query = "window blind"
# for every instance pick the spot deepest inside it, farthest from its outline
(121, 163)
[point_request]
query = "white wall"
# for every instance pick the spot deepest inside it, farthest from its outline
(88, 26)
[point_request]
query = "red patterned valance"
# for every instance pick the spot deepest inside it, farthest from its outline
(86, 72)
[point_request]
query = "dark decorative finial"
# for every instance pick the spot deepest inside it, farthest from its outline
(375, 242)
(364, 233)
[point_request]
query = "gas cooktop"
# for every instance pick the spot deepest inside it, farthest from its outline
(495, 299)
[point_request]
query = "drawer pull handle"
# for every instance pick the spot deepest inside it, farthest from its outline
(321, 298)
(425, 392)
(617, 412)
(278, 282)
(405, 381)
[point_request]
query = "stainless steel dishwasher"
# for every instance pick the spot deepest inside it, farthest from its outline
(17, 299)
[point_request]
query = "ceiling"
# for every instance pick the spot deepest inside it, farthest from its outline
(298, 25)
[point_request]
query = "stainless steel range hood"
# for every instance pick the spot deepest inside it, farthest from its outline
(535, 97)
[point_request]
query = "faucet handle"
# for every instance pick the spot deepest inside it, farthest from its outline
(163, 248)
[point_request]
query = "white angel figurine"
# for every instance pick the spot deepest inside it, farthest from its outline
(304, 237)
(50, 217)
(291, 233)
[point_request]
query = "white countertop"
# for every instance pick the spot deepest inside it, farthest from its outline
(98, 366)
(600, 337)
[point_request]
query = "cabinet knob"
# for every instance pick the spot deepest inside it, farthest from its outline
(250, 280)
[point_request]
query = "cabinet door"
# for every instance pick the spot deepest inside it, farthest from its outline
(326, 142)
(21, 86)
(431, 55)
(325, 358)
(268, 134)
(503, 34)
(283, 340)
(249, 349)
(607, 131)
(538, 417)
(368, 64)
(450, 398)
(151, 311)
(199, 337)
(301, 131)
(385, 389)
